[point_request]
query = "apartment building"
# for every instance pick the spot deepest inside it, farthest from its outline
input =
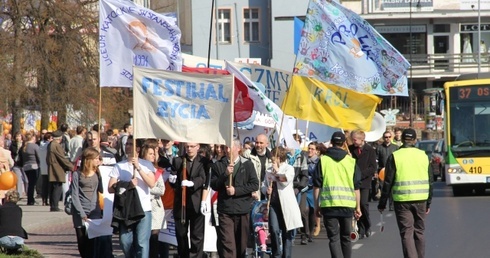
(441, 38)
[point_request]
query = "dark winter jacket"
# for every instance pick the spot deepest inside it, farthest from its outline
(127, 207)
(244, 180)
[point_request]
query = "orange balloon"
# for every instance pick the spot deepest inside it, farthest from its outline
(381, 174)
(101, 201)
(8, 180)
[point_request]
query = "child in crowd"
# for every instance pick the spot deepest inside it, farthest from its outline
(262, 228)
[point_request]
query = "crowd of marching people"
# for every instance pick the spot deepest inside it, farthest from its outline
(202, 184)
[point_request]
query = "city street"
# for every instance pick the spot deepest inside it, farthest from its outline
(456, 227)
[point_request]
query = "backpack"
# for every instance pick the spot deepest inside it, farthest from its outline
(120, 148)
(68, 202)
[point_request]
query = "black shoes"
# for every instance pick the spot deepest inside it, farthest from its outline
(55, 209)
(368, 233)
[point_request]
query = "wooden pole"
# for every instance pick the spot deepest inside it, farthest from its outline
(184, 191)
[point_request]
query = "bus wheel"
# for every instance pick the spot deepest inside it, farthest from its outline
(458, 190)
(480, 190)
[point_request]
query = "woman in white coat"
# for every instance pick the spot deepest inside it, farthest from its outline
(284, 213)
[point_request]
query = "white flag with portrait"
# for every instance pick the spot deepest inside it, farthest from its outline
(185, 107)
(130, 34)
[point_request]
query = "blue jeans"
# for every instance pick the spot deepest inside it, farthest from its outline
(281, 243)
(135, 240)
(12, 243)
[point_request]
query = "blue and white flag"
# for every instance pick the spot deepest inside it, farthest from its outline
(339, 47)
(131, 35)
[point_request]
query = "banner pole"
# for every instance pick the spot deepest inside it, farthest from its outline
(211, 32)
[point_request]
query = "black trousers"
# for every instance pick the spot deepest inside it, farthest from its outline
(195, 223)
(364, 223)
(233, 232)
(338, 232)
(56, 193)
(32, 176)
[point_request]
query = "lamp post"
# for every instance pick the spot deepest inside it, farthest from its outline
(410, 88)
(410, 48)
(479, 39)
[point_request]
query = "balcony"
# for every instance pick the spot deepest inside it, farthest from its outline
(438, 66)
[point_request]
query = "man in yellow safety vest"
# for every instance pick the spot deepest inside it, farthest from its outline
(336, 183)
(408, 175)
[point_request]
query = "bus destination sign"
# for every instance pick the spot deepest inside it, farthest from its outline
(472, 93)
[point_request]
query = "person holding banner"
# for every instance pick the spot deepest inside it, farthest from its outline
(134, 240)
(150, 152)
(188, 180)
(235, 179)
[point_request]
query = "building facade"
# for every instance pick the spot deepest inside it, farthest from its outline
(440, 38)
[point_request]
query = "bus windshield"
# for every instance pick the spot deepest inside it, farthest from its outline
(470, 124)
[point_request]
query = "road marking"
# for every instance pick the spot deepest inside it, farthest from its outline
(356, 246)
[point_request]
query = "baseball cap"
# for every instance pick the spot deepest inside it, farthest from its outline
(409, 134)
(338, 137)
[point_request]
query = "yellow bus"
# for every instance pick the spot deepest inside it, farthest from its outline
(467, 133)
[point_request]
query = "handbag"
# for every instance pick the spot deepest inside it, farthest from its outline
(68, 202)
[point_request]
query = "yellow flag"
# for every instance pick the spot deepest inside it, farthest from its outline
(316, 101)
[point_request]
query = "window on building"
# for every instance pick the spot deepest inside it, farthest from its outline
(224, 26)
(251, 25)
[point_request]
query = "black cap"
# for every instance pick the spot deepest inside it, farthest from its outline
(338, 137)
(409, 134)
(57, 134)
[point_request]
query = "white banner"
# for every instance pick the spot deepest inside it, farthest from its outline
(275, 82)
(185, 107)
(129, 35)
(264, 105)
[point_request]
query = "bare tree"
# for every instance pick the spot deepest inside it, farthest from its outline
(49, 56)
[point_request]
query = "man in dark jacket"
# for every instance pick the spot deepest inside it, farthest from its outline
(189, 218)
(365, 157)
(336, 183)
(408, 177)
(234, 201)
(383, 151)
(12, 234)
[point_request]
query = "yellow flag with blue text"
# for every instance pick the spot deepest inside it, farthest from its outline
(313, 100)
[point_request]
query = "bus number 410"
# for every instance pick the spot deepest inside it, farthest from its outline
(475, 170)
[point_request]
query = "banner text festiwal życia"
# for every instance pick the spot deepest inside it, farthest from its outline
(184, 107)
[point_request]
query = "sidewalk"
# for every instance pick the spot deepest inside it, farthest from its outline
(52, 233)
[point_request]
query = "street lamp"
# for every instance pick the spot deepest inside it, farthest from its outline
(410, 48)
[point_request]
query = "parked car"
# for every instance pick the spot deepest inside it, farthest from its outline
(438, 161)
(436, 158)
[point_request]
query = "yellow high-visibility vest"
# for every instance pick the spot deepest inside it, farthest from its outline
(411, 181)
(338, 182)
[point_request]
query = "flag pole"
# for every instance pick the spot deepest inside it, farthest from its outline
(211, 32)
(100, 108)
(134, 128)
(232, 159)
